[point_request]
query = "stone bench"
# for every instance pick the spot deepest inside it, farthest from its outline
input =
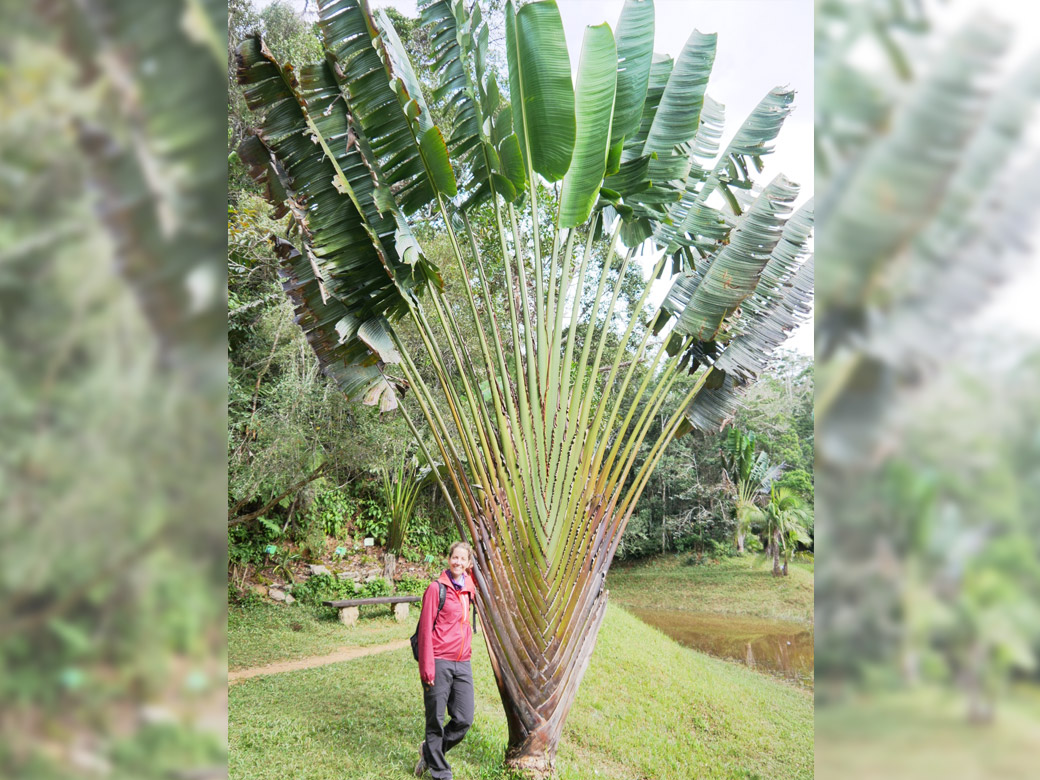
(349, 609)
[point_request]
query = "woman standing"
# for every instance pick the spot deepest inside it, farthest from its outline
(445, 639)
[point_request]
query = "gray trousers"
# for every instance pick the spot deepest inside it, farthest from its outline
(452, 691)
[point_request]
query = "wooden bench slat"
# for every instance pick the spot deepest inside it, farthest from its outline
(379, 600)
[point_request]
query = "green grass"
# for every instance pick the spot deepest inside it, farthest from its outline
(734, 586)
(924, 734)
(648, 708)
(262, 633)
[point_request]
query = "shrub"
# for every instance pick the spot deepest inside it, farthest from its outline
(374, 589)
(246, 541)
(324, 587)
(801, 482)
(331, 510)
(412, 586)
(373, 520)
(427, 536)
(313, 539)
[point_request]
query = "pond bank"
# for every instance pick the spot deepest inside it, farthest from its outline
(776, 646)
(732, 609)
(732, 586)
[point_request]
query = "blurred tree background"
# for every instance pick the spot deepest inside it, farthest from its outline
(927, 433)
(112, 623)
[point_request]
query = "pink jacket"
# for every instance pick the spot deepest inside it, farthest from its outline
(452, 634)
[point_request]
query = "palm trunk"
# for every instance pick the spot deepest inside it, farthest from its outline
(389, 567)
(740, 543)
(776, 554)
(540, 645)
(536, 723)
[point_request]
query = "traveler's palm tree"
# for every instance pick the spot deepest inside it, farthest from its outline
(539, 437)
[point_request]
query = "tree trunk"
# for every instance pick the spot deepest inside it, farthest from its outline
(981, 708)
(664, 506)
(740, 543)
(776, 554)
(785, 567)
(536, 721)
(540, 642)
(389, 568)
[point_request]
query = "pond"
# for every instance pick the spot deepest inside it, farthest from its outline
(780, 647)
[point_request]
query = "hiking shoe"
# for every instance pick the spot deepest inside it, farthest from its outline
(420, 768)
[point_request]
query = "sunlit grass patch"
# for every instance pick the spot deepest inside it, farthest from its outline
(736, 586)
(647, 708)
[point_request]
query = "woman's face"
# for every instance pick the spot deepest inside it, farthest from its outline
(459, 562)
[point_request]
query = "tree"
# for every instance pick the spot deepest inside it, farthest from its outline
(751, 475)
(785, 519)
(538, 437)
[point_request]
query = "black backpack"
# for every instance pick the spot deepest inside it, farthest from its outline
(440, 606)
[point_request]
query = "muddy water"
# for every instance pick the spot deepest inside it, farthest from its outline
(776, 646)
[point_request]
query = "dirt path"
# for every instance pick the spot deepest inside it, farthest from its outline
(343, 654)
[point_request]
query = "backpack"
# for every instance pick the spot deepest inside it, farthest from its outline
(440, 606)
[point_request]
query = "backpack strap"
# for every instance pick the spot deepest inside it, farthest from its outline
(443, 594)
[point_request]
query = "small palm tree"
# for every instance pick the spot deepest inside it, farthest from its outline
(786, 518)
(401, 488)
(751, 476)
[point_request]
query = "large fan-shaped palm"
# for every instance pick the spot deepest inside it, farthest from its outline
(539, 443)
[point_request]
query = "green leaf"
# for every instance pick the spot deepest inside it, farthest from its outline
(614, 157)
(679, 113)
(631, 177)
(756, 135)
(734, 273)
(660, 70)
(409, 92)
(446, 21)
(435, 155)
(635, 51)
(540, 87)
(512, 160)
(357, 263)
(504, 187)
(594, 104)
(378, 82)
(77, 640)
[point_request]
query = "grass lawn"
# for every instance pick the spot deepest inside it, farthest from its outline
(648, 708)
(924, 734)
(734, 586)
(264, 632)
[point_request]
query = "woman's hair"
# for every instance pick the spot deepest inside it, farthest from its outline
(457, 545)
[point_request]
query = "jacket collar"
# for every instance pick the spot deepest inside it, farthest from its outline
(466, 588)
